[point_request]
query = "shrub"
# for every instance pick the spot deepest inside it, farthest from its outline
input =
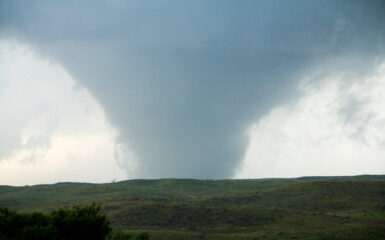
(76, 223)
(81, 223)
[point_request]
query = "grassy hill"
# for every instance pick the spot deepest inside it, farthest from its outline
(301, 208)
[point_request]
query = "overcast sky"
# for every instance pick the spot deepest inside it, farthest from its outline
(96, 91)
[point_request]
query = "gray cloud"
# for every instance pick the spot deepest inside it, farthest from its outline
(182, 80)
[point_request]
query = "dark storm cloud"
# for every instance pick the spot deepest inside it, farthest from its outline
(183, 80)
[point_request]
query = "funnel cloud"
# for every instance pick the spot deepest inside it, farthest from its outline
(182, 81)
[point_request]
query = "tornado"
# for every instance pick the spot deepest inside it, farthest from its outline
(182, 81)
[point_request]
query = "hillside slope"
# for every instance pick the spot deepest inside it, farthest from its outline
(301, 208)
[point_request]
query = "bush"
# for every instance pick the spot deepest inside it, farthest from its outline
(62, 224)
(81, 223)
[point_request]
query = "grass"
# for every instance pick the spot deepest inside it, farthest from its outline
(301, 208)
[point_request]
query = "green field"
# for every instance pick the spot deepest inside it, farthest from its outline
(301, 208)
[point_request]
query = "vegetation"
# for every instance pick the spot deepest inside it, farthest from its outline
(303, 208)
(76, 223)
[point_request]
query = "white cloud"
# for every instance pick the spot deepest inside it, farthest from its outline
(50, 129)
(335, 127)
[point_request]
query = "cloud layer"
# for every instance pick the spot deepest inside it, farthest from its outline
(51, 129)
(336, 127)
